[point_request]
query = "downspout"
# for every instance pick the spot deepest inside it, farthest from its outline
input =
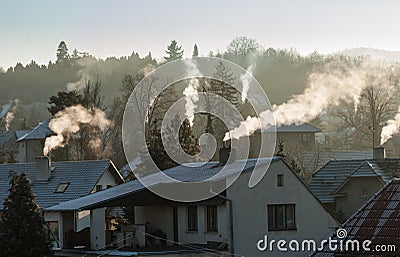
(230, 218)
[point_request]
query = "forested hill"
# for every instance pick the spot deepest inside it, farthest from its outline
(33, 83)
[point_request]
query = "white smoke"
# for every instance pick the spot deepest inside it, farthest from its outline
(327, 88)
(245, 79)
(69, 121)
(392, 127)
(191, 91)
(87, 63)
(9, 112)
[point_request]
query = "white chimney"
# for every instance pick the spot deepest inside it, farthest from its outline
(43, 168)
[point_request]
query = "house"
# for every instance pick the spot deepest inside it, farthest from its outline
(378, 221)
(295, 137)
(57, 182)
(281, 207)
(343, 186)
(31, 144)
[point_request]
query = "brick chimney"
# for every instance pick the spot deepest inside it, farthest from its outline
(43, 168)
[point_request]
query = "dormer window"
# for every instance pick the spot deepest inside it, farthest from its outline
(62, 187)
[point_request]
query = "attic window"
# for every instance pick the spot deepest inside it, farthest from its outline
(279, 180)
(62, 187)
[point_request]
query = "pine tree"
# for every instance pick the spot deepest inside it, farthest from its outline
(174, 52)
(22, 228)
(62, 52)
(195, 51)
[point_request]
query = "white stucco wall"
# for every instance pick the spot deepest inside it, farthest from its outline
(98, 228)
(250, 220)
(202, 235)
(157, 217)
(106, 179)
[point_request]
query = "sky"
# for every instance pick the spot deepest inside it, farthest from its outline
(32, 30)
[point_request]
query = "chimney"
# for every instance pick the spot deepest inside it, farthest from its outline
(224, 154)
(379, 153)
(43, 168)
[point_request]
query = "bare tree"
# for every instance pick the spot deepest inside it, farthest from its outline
(378, 103)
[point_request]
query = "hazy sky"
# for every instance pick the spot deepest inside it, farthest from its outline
(32, 29)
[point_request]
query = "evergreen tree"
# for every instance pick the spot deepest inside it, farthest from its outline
(174, 52)
(62, 52)
(22, 228)
(195, 51)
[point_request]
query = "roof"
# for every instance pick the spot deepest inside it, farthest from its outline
(305, 127)
(184, 173)
(378, 220)
(82, 176)
(20, 133)
(336, 172)
(41, 131)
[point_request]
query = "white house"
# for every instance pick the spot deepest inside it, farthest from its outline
(280, 207)
(57, 182)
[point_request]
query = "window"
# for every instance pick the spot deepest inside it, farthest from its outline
(279, 180)
(53, 226)
(306, 138)
(192, 218)
(109, 186)
(99, 188)
(281, 217)
(62, 187)
(212, 219)
(364, 192)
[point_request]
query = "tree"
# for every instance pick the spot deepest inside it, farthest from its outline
(243, 50)
(174, 52)
(188, 140)
(62, 100)
(62, 52)
(377, 104)
(195, 51)
(22, 228)
(75, 54)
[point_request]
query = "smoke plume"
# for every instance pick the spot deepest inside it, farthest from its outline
(392, 127)
(191, 91)
(9, 116)
(69, 121)
(245, 79)
(326, 88)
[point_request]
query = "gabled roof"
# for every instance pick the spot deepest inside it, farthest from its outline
(41, 131)
(20, 133)
(366, 169)
(81, 176)
(305, 127)
(378, 220)
(332, 175)
(183, 173)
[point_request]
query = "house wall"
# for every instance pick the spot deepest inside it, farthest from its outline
(106, 179)
(202, 235)
(29, 149)
(98, 228)
(250, 218)
(350, 199)
(156, 217)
